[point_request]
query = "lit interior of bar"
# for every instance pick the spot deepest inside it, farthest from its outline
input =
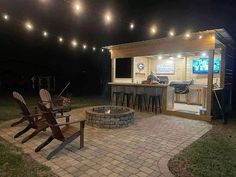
(176, 75)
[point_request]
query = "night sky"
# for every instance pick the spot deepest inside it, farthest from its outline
(24, 55)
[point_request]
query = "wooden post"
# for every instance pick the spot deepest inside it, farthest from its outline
(222, 67)
(210, 82)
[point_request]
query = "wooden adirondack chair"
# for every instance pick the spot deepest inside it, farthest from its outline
(66, 135)
(34, 122)
(23, 118)
(55, 106)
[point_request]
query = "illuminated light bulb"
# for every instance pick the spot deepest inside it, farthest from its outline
(204, 54)
(94, 49)
(213, 37)
(45, 34)
(108, 17)
(179, 56)
(84, 46)
(171, 33)
(77, 7)
(60, 40)
(171, 58)
(153, 30)
(131, 26)
(200, 37)
(74, 43)
(102, 50)
(5, 17)
(159, 57)
(187, 35)
(29, 26)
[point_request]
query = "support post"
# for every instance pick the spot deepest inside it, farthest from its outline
(210, 82)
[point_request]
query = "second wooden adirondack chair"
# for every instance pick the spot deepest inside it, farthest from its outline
(55, 105)
(66, 135)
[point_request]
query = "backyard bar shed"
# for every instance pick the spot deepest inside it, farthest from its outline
(189, 68)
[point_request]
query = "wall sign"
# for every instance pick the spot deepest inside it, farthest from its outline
(168, 68)
(140, 66)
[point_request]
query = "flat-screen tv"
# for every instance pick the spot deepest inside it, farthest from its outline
(123, 67)
(200, 66)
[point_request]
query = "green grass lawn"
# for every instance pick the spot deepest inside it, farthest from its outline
(214, 155)
(13, 162)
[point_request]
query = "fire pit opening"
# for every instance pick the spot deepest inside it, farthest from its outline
(109, 117)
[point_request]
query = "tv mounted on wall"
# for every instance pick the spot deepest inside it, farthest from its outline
(200, 66)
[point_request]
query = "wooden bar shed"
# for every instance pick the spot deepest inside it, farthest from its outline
(189, 68)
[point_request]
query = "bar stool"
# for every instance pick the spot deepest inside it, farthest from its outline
(128, 95)
(141, 99)
(155, 99)
(118, 93)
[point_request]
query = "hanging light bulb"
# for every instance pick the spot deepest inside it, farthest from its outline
(77, 7)
(84, 46)
(131, 26)
(6, 17)
(108, 18)
(74, 43)
(187, 35)
(171, 33)
(60, 40)
(45, 34)
(153, 30)
(29, 26)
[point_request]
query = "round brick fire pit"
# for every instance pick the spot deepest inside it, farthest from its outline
(109, 117)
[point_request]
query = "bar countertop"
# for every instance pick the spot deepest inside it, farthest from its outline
(138, 85)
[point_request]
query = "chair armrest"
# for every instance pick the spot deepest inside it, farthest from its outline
(33, 115)
(69, 123)
(62, 116)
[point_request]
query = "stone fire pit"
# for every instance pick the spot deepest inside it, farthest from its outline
(109, 117)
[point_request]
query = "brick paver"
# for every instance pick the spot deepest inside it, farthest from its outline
(143, 149)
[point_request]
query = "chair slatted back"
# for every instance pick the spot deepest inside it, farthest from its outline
(21, 103)
(18, 96)
(46, 98)
(50, 118)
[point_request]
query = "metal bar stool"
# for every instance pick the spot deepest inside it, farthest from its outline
(155, 99)
(141, 99)
(118, 93)
(128, 95)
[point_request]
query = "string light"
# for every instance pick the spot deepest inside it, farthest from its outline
(77, 7)
(131, 26)
(153, 30)
(60, 40)
(29, 26)
(5, 17)
(45, 34)
(74, 43)
(94, 49)
(84, 46)
(108, 18)
(187, 35)
(171, 33)
(102, 50)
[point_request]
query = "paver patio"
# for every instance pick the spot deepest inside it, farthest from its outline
(143, 149)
